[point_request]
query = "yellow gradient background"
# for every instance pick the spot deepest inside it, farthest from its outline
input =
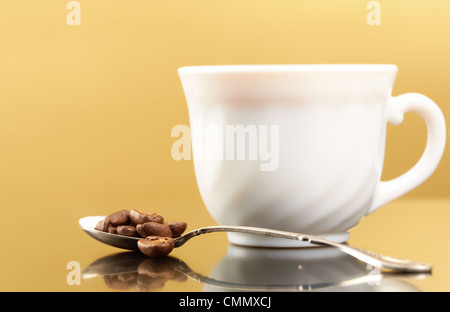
(86, 111)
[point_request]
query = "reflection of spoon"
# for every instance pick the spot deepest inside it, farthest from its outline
(301, 269)
(377, 260)
(133, 270)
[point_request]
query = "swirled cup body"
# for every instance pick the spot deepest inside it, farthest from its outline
(291, 147)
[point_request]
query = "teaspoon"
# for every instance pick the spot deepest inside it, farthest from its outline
(385, 263)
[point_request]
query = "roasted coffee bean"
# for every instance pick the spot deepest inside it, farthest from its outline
(139, 217)
(99, 226)
(140, 231)
(118, 218)
(156, 246)
(158, 237)
(111, 229)
(127, 230)
(177, 228)
(153, 229)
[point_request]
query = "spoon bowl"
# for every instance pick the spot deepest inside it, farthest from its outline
(124, 242)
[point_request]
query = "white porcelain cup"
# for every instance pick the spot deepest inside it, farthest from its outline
(300, 147)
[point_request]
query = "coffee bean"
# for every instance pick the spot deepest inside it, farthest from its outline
(127, 230)
(118, 218)
(140, 231)
(177, 228)
(99, 226)
(156, 246)
(153, 229)
(111, 229)
(157, 236)
(139, 217)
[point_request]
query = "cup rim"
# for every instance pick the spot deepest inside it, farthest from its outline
(274, 68)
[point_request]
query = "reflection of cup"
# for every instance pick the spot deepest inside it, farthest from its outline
(300, 147)
(293, 269)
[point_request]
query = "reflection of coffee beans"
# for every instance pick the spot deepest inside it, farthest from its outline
(156, 246)
(143, 274)
(136, 223)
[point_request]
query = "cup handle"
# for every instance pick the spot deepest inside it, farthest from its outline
(435, 122)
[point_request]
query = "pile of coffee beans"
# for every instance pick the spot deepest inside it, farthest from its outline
(157, 235)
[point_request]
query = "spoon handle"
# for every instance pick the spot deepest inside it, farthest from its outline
(377, 260)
